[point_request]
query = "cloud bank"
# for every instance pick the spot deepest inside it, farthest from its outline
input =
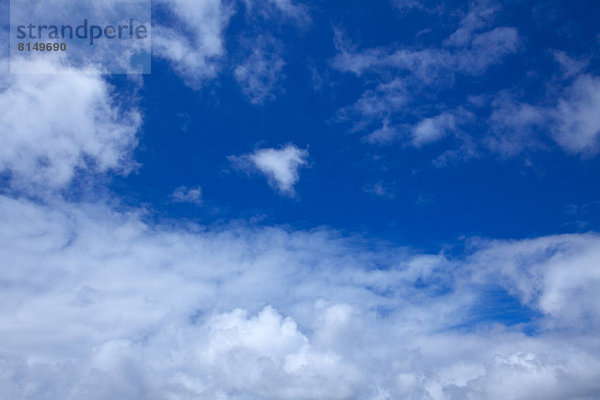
(96, 304)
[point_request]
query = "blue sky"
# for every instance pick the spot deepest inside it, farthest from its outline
(188, 133)
(307, 200)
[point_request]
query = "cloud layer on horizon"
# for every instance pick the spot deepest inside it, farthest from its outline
(96, 303)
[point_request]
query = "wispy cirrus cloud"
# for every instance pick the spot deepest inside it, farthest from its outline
(391, 111)
(185, 194)
(570, 119)
(471, 49)
(260, 74)
(276, 9)
(193, 42)
(405, 108)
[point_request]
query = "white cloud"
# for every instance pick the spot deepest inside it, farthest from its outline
(276, 9)
(561, 272)
(385, 134)
(578, 129)
(514, 125)
(187, 195)
(572, 120)
(426, 131)
(375, 106)
(431, 65)
(193, 42)
(53, 126)
(432, 129)
(292, 10)
(96, 303)
(405, 4)
(480, 15)
(570, 67)
(488, 48)
(138, 311)
(418, 72)
(261, 73)
(280, 166)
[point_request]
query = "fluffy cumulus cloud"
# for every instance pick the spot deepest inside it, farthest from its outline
(53, 126)
(96, 304)
(280, 165)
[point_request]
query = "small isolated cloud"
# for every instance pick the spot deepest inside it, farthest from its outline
(280, 166)
(185, 194)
